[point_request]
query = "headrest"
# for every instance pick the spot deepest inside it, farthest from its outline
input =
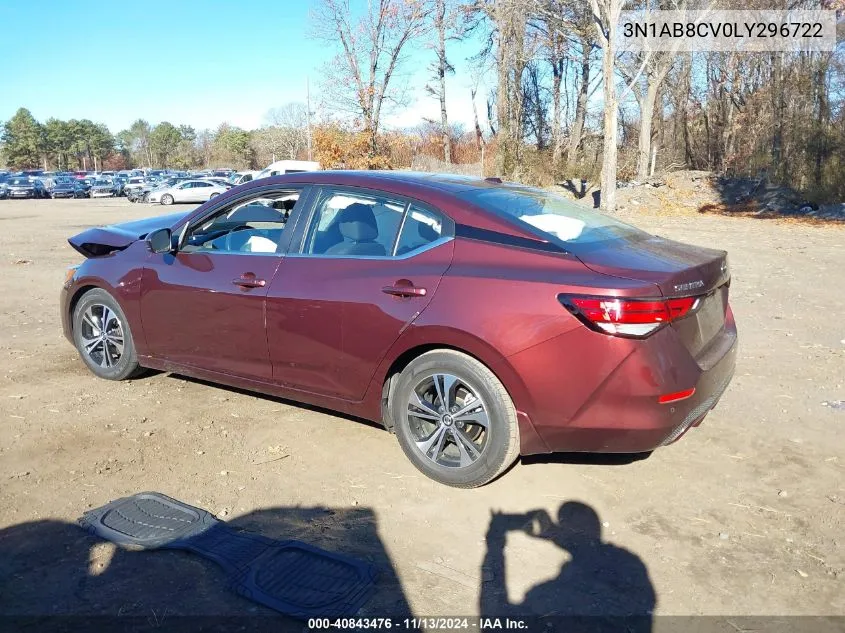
(357, 223)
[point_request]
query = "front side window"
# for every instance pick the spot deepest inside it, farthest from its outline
(253, 225)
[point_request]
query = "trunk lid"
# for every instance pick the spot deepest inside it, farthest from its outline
(677, 270)
(102, 240)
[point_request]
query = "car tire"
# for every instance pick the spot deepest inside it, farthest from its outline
(466, 451)
(167, 199)
(100, 349)
(214, 195)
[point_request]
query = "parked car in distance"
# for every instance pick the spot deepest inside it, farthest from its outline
(282, 167)
(86, 184)
(65, 188)
(242, 177)
(477, 320)
(102, 188)
(25, 187)
(187, 191)
(223, 182)
(134, 183)
(222, 173)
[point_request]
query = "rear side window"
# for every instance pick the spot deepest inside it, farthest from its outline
(421, 227)
(553, 217)
(354, 225)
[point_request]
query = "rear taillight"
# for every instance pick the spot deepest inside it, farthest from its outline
(628, 317)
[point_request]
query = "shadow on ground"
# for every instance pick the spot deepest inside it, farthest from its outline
(601, 588)
(54, 576)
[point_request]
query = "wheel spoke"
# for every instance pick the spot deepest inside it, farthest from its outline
(474, 413)
(418, 407)
(445, 385)
(435, 438)
(106, 361)
(91, 344)
(466, 447)
(118, 347)
(439, 447)
(88, 318)
(108, 315)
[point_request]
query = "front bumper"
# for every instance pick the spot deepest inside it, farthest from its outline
(102, 194)
(605, 399)
(21, 194)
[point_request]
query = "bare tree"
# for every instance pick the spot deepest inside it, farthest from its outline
(510, 18)
(285, 132)
(371, 53)
(443, 17)
(606, 15)
(566, 27)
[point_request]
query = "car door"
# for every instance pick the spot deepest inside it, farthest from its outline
(203, 306)
(202, 191)
(348, 287)
(182, 192)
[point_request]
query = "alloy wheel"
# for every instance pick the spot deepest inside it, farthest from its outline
(102, 335)
(449, 422)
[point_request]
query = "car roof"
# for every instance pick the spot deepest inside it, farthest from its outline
(441, 190)
(453, 183)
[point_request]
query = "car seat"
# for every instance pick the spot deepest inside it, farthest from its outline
(358, 228)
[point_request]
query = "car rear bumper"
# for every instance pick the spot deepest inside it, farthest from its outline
(605, 399)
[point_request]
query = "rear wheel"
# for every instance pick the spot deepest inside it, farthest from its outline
(102, 337)
(167, 199)
(454, 419)
(214, 195)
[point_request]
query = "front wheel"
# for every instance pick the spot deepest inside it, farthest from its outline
(167, 199)
(454, 419)
(214, 195)
(102, 337)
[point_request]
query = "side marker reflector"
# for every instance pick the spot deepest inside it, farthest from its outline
(674, 397)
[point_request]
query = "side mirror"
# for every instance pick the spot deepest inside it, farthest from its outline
(160, 241)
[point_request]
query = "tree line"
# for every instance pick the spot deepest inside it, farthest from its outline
(85, 145)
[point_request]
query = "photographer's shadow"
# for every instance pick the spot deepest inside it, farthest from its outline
(603, 587)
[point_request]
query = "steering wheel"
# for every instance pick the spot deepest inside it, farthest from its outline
(228, 242)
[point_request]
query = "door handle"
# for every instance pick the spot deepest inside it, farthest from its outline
(248, 280)
(406, 289)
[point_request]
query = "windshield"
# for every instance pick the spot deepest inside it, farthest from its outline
(19, 181)
(102, 183)
(556, 218)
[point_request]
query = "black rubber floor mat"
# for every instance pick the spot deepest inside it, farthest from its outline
(289, 576)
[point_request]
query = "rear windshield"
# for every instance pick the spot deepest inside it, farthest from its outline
(551, 217)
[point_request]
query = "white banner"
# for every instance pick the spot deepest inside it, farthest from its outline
(744, 30)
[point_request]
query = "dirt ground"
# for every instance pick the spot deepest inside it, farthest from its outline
(746, 515)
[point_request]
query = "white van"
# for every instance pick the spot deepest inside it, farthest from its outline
(242, 177)
(287, 167)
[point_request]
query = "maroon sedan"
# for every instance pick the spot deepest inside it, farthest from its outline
(476, 320)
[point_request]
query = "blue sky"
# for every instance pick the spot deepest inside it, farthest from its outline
(185, 61)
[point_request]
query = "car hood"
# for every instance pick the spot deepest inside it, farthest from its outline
(102, 240)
